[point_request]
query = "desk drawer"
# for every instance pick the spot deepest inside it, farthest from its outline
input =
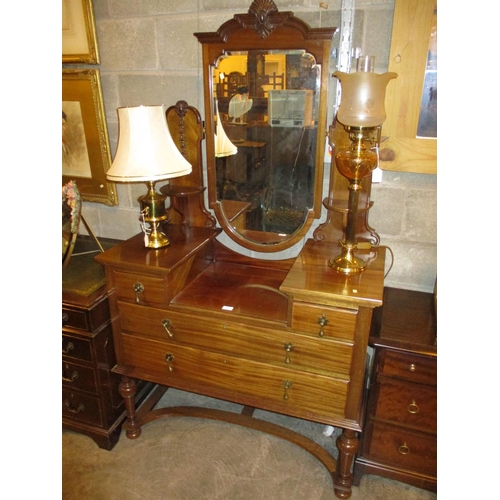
(78, 377)
(76, 348)
(296, 393)
(407, 403)
(279, 347)
(81, 407)
(138, 288)
(337, 323)
(402, 448)
(407, 366)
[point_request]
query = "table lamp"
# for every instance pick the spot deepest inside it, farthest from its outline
(361, 112)
(147, 153)
(223, 145)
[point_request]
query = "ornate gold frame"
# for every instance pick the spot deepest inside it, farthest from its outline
(84, 86)
(79, 40)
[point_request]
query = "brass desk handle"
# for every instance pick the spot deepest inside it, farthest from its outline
(169, 358)
(70, 347)
(167, 324)
(79, 409)
(413, 407)
(322, 322)
(287, 385)
(404, 449)
(288, 348)
(138, 288)
(74, 376)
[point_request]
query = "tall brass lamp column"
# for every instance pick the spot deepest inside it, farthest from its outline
(362, 113)
(147, 153)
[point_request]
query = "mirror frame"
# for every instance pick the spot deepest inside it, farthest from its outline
(264, 28)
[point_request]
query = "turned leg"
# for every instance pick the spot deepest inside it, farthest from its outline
(127, 390)
(347, 444)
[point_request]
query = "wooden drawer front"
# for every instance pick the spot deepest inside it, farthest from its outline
(338, 323)
(404, 449)
(406, 403)
(75, 319)
(76, 348)
(413, 367)
(153, 289)
(307, 395)
(82, 407)
(279, 347)
(78, 377)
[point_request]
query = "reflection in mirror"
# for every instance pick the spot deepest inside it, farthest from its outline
(266, 104)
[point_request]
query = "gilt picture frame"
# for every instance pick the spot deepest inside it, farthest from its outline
(79, 39)
(85, 143)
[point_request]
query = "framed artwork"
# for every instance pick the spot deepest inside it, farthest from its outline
(85, 144)
(79, 40)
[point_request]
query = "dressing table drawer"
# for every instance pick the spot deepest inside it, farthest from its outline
(249, 382)
(325, 322)
(138, 288)
(281, 348)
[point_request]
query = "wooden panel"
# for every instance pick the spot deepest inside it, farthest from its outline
(310, 395)
(341, 322)
(412, 367)
(406, 403)
(387, 445)
(265, 345)
(411, 34)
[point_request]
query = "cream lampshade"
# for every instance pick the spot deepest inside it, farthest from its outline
(223, 146)
(147, 153)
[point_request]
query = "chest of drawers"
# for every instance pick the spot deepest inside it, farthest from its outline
(91, 403)
(400, 434)
(285, 336)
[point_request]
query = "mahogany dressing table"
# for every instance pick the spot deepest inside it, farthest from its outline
(288, 336)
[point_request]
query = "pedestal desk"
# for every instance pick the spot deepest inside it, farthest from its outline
(287, 336)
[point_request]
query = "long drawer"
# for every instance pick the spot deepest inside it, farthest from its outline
(402, 448)
(278, 346)
(406, 403)
(281, 389)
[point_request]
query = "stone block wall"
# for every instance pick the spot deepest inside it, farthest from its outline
(150, 56)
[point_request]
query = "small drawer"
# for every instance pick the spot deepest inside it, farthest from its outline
(78, 377)
(407, 366)
(81, 407)
(75, 319)
(76, 348)
(407, 403)
(402, 448)
(140, 289)
(324, 321)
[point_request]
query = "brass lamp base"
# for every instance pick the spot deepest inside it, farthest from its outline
(347, 263)
(156, 239)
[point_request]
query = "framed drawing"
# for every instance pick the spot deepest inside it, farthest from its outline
(79, 40)
(411, 99)
(85, 145)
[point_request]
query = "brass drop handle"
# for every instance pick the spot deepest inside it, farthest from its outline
(74, 376)
(288, 348)
(138, 288)
(79, 409)
(322, 322)
(404, 449)
(65, 318)
(413, 407)
(413, 367)
(287, 385)
(169, 358)
(167, 324)
(69, 347)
